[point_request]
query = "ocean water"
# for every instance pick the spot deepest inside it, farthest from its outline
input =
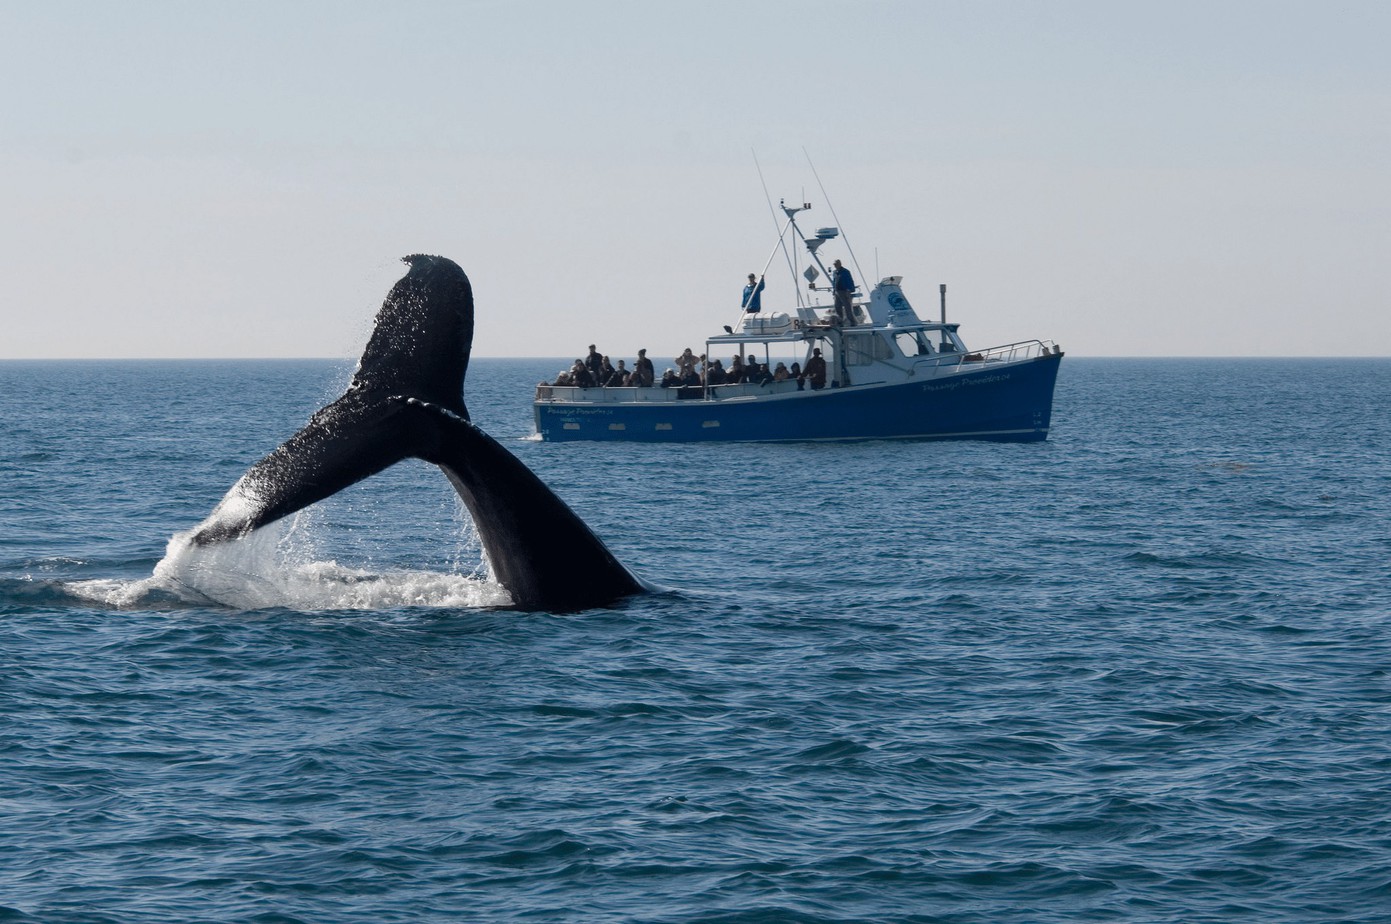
(1140, 672)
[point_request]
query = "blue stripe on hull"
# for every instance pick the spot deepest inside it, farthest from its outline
(1012, 404)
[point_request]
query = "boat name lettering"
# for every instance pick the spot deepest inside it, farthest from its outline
(973, 380)
(580, 411)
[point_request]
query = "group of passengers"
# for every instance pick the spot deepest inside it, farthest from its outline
(751, 371)
(595, 371)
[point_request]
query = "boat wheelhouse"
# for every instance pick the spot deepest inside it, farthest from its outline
(889, 374)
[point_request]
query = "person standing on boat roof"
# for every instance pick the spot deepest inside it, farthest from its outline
(843, 286)
(753, 295)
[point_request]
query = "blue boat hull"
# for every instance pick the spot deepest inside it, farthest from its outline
(1013, 403)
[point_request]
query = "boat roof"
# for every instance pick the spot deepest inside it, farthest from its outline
(885, 309)
(795, 333)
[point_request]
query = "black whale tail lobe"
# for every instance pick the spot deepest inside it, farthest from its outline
(406, 400)
(422, 335)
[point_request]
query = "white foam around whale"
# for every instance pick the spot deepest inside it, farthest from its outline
(274, 568)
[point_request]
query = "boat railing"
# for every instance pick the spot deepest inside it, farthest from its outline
(603, 394)
(751, 390)
(952, 363)
(656, 394)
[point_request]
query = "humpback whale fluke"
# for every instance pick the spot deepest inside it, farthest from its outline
(406, 400)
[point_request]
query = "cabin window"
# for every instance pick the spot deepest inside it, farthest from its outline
(913, 344)
(863, 349)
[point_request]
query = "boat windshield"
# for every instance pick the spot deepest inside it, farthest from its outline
(914, 343)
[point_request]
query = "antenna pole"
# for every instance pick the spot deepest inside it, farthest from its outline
(836, 218)
(943, 288)
(782, 235)
(759, 168)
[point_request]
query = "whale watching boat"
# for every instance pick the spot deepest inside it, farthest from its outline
(888, 374)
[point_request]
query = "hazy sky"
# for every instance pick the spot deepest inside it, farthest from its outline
(238, 179)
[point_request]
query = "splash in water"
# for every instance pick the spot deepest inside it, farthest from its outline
(276, 567)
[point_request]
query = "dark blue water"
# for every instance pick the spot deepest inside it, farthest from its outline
(1140, 672)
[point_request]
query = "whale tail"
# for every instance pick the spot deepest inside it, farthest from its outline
(406, 400)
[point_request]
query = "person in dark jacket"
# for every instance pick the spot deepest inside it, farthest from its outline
(595, 364)
(644, 375)
(755, 373)
(753, 295)
(815, 372)
(843, 285)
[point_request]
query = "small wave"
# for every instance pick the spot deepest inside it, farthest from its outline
(833, 750)
(543, 848)
(28, 592)
(146, 594)
(1214, 559)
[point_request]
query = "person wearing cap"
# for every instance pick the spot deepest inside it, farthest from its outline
(753, 295)
(843, 286)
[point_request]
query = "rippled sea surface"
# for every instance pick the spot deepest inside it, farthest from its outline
(1140, 672)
